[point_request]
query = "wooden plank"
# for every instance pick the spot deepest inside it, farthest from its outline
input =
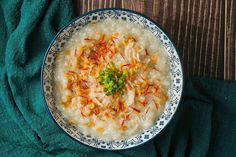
(230, 40)
(204, 31)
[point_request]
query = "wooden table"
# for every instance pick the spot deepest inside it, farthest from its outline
(203, 30)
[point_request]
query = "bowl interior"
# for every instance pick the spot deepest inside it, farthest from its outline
(176, 73)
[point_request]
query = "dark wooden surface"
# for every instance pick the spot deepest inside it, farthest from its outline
(203, 30)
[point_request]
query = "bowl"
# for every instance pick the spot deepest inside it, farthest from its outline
(176, 74)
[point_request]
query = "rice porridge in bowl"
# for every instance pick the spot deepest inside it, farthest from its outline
(110, 77)
(112, 83)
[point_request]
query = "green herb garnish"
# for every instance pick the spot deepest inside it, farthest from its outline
(112, 79)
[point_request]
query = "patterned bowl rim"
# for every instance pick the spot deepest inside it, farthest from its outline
(94, 11)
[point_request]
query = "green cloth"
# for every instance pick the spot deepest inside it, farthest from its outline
(204, 125)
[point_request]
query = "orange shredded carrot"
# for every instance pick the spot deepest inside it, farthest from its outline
(84, 68)
(131, 77)
(75, 52)
(156, 69)
(72, 72)
(122, 55)
(125, 65)
(82, 113)
(103, 57)
(146, 52)
(69, 84)
(127, 117)
(96, 111)
(143, 78)
(143, 103)
(129, 85)
(84, 101)
(120, 106)
(102, 41)
(156, 105)
(122, 123)
(83, 80)
(135, 109)
(147, 110)
(146, 90)
(84, 96)
(89, 39)
(111, 55)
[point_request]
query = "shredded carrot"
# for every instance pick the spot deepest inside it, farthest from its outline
(84, 101)
(147, 110)
(94, 56)
(111, 55)
(84, 68)
(135, 109)
(129, 85)
(127, 117)
(91, 70)
(143, 103)
(102, 41)
(72, 72)
(112, 40)
(82, 114)
(156, 69)
(114, 37)
(146, 52)
(84, 96)
(122, 123)
(120, 106)
(75, 52)
(89, 39)
(156, 105)
(84, 86)
(104, 49)
(69, 84)
(131, 77)
(143, 78)
(96, 111)
(125, 65)
(122, 55)
(103, 57)
(146, 90)
(83, 80)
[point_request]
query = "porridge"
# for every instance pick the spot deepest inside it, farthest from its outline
(111, 79)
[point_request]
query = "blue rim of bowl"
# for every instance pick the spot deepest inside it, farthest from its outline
(75, 19)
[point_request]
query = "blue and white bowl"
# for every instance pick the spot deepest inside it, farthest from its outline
(176, 73)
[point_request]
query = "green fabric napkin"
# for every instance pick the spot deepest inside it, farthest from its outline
(204, 125)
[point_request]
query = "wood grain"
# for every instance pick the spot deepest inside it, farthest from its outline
(230, 40)
(203, 30)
